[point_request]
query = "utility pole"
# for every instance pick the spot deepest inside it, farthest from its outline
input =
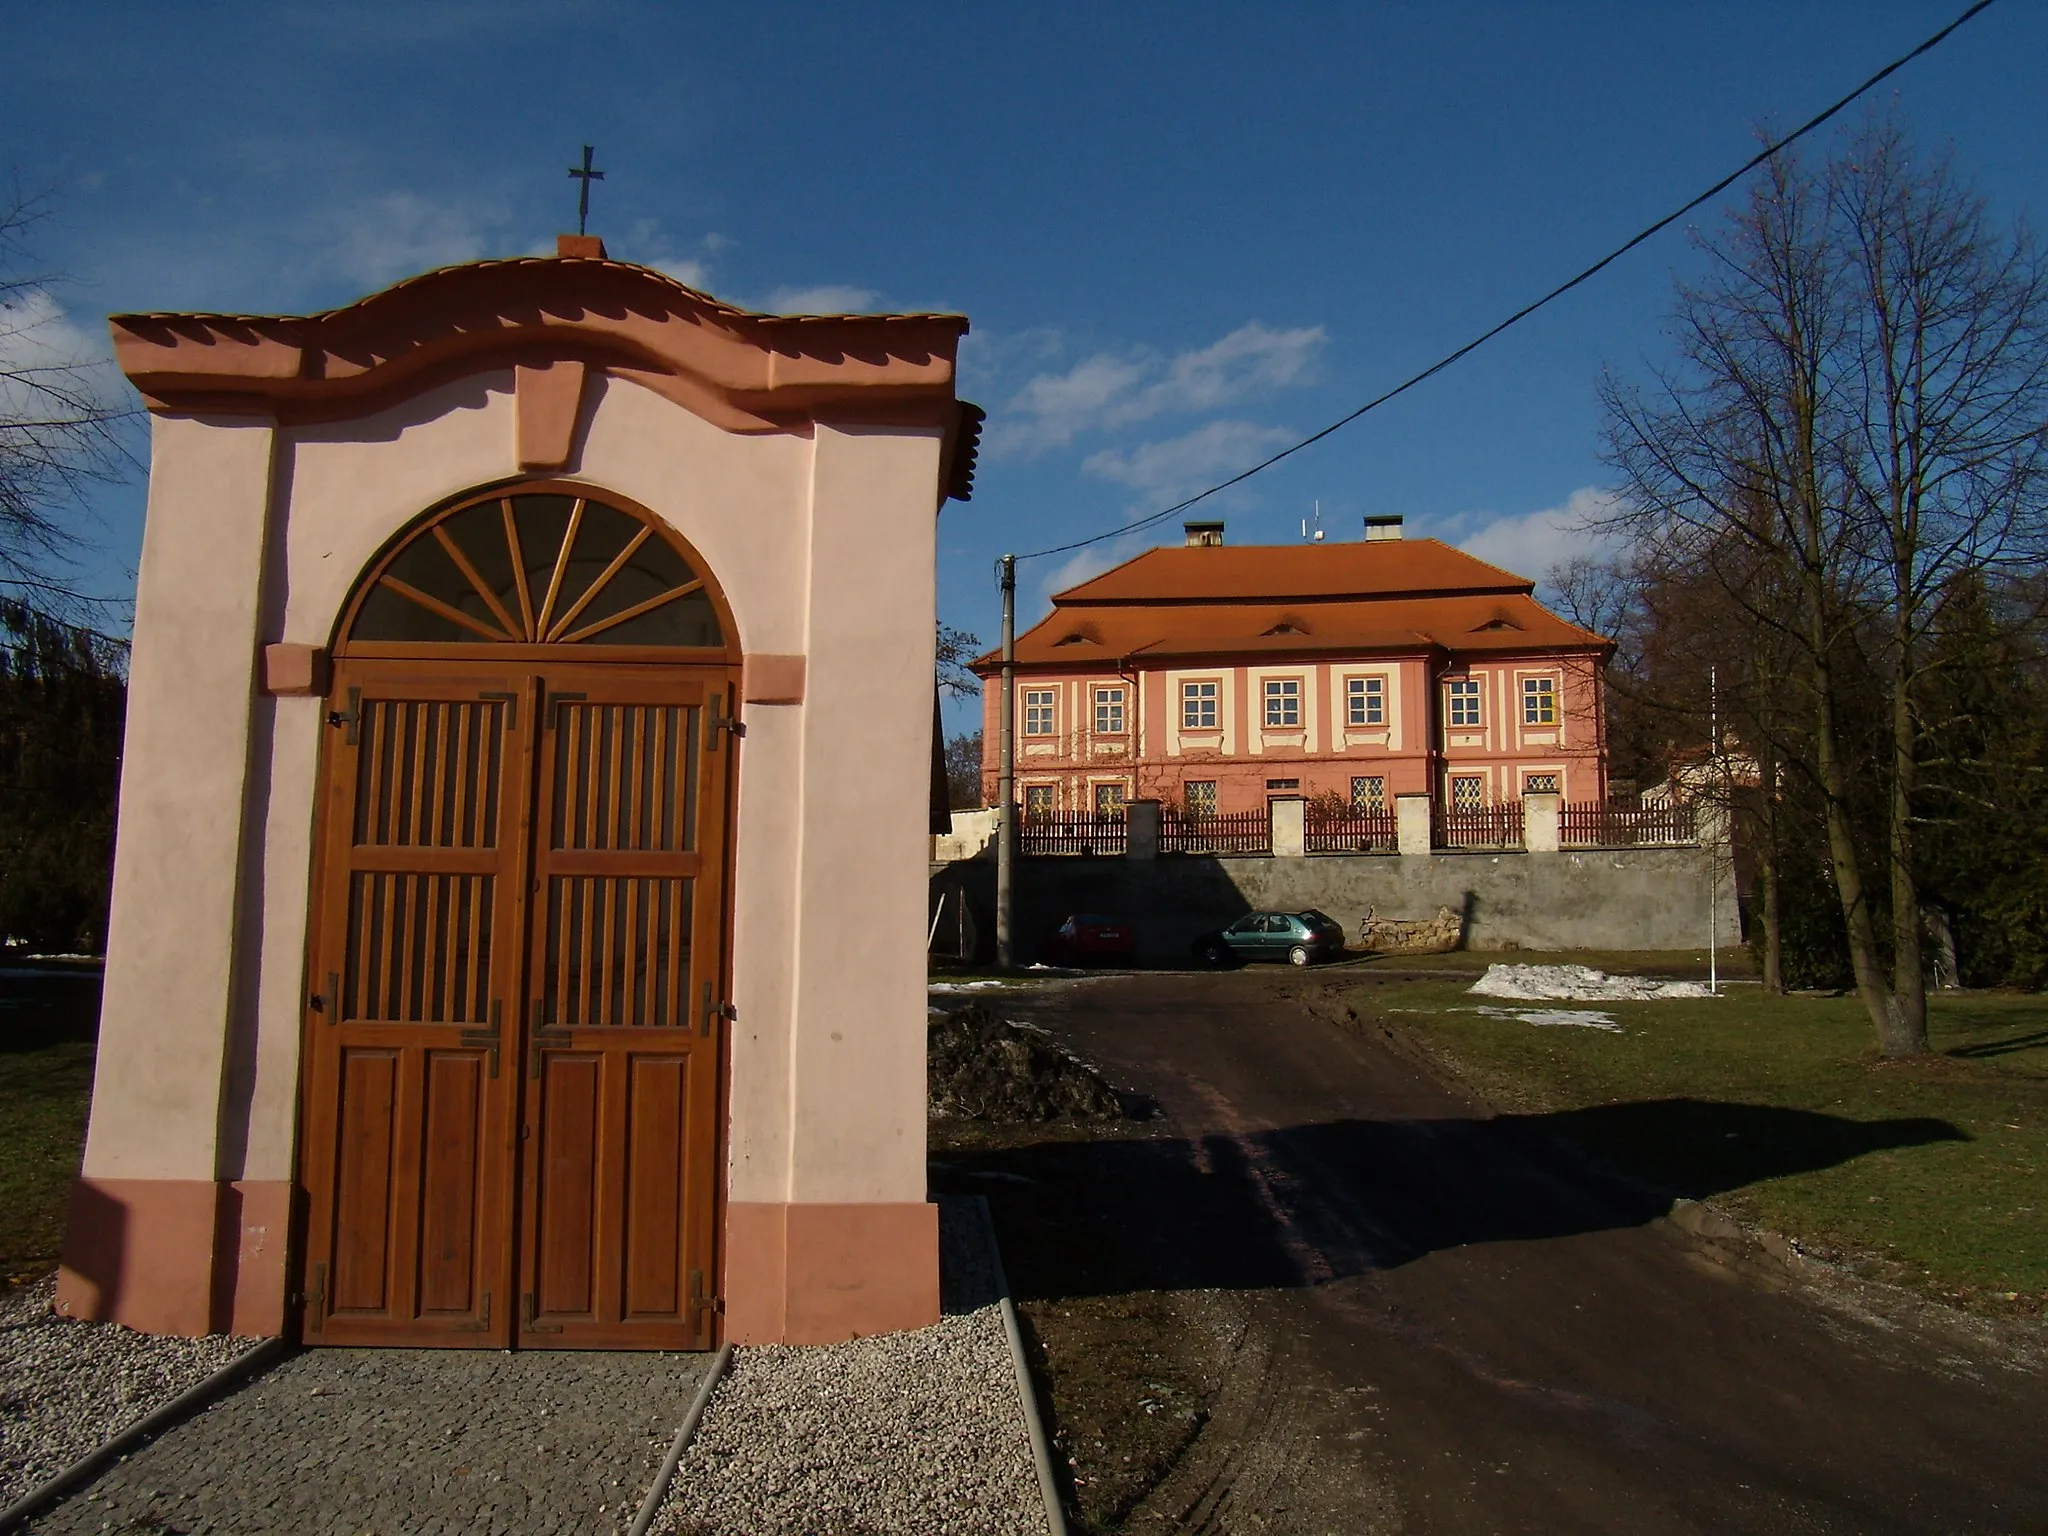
(1727, 820)
(1006, 778)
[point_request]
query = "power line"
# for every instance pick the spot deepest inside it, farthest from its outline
(1529, 309)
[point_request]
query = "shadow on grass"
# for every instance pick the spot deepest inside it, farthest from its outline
(2033, 1040)
(1306, 1204)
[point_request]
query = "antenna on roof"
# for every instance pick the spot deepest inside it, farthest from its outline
(1313, 530)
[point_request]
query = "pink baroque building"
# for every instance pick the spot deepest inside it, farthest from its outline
(1213, 678)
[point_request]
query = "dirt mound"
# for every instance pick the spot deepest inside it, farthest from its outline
(979, 1067)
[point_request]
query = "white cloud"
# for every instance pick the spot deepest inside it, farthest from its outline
(397, 234)
(1536, 542)
(43, 349)
(685, 270)
(824, 299)
(1179, 466)
(1092, 561)
(1111, 390)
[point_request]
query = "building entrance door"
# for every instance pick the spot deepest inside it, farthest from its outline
(518, 955)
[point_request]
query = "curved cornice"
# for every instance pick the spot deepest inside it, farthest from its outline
(741, 371)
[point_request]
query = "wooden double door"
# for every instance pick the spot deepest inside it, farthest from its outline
(512, 1081)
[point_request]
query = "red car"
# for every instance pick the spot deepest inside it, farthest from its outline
(1091, 939)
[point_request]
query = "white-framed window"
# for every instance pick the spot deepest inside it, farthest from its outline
(1038, 704)
(1539, 701)
(1110, 799)
(1462, 694)
(1283, 703)
(1468, 792)
(1539, 783)
(1365, 701)
(1199, 795)
(1109, 711)
(1198, 706)
(1368, 792)
(1283, 785)
(1038, 800)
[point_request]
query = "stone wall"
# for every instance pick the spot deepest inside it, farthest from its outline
(1622, 898)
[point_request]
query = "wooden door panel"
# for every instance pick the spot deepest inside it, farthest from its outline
(565, 1214)
(454, 1113)
(655, 1191)
(369, 1116)
(627, 965)
(419, 928)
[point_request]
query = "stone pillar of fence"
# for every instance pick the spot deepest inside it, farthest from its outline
(1289, 827)
(1542, 823)
(1411, 823)
(1142, 839)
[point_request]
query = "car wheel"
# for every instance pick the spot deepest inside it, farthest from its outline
(1298, 955)
(1215, 954)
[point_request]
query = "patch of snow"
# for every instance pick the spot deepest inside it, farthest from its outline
(1578, 983)
(1582, 1018)
(961, 986)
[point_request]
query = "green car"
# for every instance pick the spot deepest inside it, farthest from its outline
(1299, 938)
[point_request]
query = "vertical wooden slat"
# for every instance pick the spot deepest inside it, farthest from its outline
(431, 993)
(632, 1004)
(374, 726)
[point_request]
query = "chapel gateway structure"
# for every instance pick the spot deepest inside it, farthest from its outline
(505, 949)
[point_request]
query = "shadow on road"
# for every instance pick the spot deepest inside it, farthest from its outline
(1307, 1204)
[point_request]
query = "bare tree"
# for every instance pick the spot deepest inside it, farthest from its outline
(60, 428)
(1856, 418)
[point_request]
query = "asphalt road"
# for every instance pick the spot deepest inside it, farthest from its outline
(1462, 1332)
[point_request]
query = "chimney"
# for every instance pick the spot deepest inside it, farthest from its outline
(587, 247)
(1377, 528)
(1202, 535)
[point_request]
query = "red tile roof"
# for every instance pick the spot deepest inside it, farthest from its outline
(1296, 572)
(1308, 600)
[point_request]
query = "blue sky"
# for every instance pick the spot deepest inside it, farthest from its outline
(1184, 234)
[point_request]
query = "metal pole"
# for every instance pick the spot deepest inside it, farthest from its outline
(1006, 780)
(1727, 820)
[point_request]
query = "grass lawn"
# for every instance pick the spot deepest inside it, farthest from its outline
(46, 1052)
(1781, 1111)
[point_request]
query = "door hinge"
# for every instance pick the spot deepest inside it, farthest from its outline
(531, 1325)
(721, 723)
(709, 1011)
(351, 717)
(492, 1038)
(316, 1297)
(699, 1302)
(328, 1003)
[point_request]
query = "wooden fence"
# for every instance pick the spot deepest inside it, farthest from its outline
(1234, 832)
(1478, 826)
(1348, 829)
(1073, 834)
(1598, 824)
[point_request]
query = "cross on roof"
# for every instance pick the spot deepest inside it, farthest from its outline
(585, 175)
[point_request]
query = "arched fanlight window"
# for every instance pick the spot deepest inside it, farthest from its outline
(542, 567)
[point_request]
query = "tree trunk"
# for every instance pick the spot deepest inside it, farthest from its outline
(1909, 981)
(1894, 1034)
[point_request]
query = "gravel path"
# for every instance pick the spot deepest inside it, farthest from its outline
(67, 1386)
(916, 1433)
(367, 1442)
